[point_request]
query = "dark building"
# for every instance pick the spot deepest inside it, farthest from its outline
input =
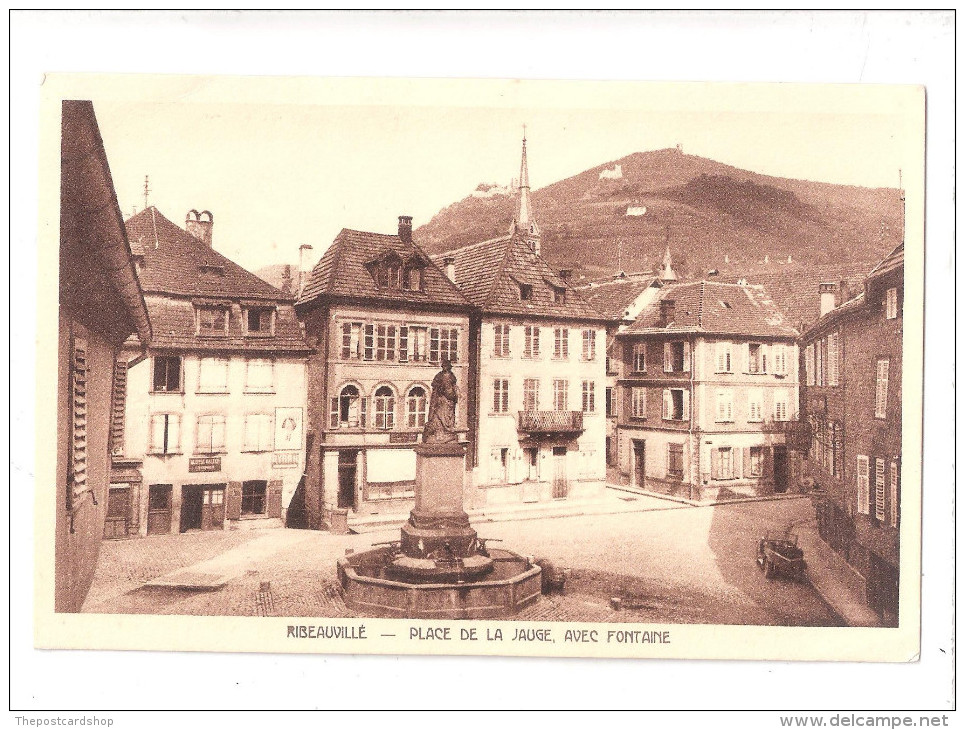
(100, 306)
(851, 402)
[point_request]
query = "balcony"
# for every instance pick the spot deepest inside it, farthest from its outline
(551, 421)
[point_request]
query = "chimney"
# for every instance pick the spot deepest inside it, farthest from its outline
(286, 279)
(844, 292)
(667, 310)
(566, 274)
(199, 225)
(302, 271)
(405, 228)
(449, 263)
(828, 292)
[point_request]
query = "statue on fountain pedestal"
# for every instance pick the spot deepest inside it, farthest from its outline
(440, 425)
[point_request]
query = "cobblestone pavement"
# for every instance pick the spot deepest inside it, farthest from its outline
(687, 565)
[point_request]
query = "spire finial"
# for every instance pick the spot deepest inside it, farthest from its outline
(147, 190)
(524, 132)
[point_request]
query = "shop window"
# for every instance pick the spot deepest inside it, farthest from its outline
(253, 497)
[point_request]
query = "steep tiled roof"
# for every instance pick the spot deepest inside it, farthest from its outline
(343, 272)
(173, 321)
(175, 262)
(612, 298)
(178, 271)
(795, 290)
(490, 274)
(713, 307)
(894, 260)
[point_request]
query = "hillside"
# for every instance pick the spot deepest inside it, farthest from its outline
(714, 216)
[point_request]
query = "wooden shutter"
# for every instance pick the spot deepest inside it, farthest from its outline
(880, 490)
(685, 411)
(78, 461)
(746, 462)
(434, 344)
(333, 413)
(118, 403)
(863, 487)
(768, 455)
(667, 403)
(686, 356)
(274, 498)
(363, 402)
(233, 501)
(667, 357)
(368, 343)
(715, 463)
(894, 493)
(403, 344)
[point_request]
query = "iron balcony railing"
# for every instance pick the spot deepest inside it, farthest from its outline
(551, 421)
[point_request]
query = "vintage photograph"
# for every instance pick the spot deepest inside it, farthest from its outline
(371, 362)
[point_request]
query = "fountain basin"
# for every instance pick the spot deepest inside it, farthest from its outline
(369, 584)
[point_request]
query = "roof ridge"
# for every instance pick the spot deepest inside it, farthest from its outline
(472, 245)
(451, 284)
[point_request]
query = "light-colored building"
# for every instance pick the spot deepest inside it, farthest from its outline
(209, 420)
(707, 389)
(538, 355)
(380, 317)
(101, 304)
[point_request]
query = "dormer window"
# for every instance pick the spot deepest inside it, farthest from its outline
(211, 270)
(259, 321)
(412, 278)
(212, 321)
(526, 292)
(559, 295)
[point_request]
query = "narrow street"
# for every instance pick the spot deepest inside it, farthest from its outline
(674, 564)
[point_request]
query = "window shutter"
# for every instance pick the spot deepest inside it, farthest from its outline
(666, 403)
(233, 501)
(157, 433)
(880, 490)
(368, 345)
(403, 343)
(363, 403)
(174, 432)
(715, 464)
(333, 413)
(894, 494)
(667, 357)
(118, 403)
(862, 480)
(768, 455)
(719, 348)
(434, 344)
(274, 498)
(78, 472)
(746, 462)
(686, 357)
(686, 407)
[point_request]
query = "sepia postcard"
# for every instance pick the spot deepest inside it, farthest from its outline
(480, 367)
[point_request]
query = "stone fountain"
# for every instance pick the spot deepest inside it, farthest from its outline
(439, 568)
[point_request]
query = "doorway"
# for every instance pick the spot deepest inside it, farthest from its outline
(780, 469)
(118, 510)
(640, 464)
(159, 509)
(347, 478)
(560, 484)
(202, 507)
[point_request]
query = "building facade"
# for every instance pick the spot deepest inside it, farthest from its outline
(851, 402)
(538, 354)
(707, 389)
(101, 304)
(380, 318)
(209, 420)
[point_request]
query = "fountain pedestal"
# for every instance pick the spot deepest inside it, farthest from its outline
(438, 542)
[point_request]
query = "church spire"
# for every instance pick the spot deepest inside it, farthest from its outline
(668, 274)
(524, 224)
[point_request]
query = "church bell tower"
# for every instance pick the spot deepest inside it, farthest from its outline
(524, 224)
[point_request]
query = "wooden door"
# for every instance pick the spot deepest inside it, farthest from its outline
(780, 469)
(118, 511)
(191, 508)
(212, 508)
(159, 509)
(560, 484)
(347, 474)
(640, 464)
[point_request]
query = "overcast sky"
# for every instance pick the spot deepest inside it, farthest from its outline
(277, 175)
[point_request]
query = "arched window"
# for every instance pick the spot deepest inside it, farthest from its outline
(384, 407)
(416, 407)
(348, 409)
